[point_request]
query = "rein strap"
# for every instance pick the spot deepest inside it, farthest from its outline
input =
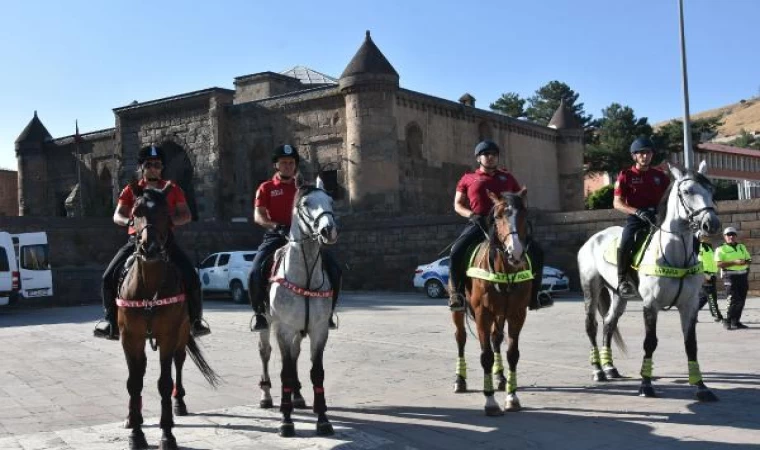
(150, 303)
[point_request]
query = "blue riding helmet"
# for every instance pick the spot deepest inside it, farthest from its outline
(486, 146)
(285, 150)
(641, 144)
(150, 152)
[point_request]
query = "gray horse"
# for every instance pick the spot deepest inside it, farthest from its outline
(300, 305)
(669, 273)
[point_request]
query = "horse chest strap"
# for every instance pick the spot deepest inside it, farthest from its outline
(126, 303)
(498, 277)
(301, 291)
(670, 272)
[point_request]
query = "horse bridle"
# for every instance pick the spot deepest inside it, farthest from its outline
(310, 222)
(162, 240)
(692, 213)
(513, 232)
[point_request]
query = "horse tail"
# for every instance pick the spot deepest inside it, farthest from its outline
(618, 338)
(200, 361)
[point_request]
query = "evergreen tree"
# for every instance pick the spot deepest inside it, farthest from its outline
(509, 104)
(609, 150)
(545, 102)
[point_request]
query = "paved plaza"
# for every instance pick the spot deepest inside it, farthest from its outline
(389, 378)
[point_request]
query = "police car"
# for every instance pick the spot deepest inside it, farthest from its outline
(433, 278)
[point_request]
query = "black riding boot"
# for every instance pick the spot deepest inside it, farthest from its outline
(108, 328)
(335, 282)
(538, 298)
(256, 297)
(195, 309)
(626, 288)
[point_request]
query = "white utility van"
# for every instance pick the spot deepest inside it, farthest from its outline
(227, 273)
(9, 276)
(33, 257)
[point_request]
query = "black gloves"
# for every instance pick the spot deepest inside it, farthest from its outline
(280, 229)
(646, 215)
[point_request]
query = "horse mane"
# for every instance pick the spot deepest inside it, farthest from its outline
(702, 180)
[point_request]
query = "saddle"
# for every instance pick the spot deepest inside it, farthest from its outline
(490, 274)
(640, 243)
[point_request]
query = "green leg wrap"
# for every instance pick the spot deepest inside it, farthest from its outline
(594, 358)
(646, 368)
(695, 375)
(498, 365)
(488, 383)
(606, 356)
(511, 382)
(462, 367)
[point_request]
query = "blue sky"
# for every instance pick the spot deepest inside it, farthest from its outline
(79, 59)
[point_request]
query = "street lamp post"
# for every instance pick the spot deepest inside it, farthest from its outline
(688, 156)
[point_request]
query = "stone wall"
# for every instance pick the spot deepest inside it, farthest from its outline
(80, 249)
(8, 192)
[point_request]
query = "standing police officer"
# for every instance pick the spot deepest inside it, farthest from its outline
(471, 201)
(638, 191)
(709, 292)
(734, 259)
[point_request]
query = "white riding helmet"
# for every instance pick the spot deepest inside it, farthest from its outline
(730, 230)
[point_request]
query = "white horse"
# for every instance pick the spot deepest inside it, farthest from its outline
(301, 304)
(669, 273)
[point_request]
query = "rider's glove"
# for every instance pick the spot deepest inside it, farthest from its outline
(646, 215)
(280, 229)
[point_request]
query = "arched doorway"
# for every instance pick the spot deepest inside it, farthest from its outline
(179, 168)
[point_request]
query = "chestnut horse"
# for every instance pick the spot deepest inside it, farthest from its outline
(152, 306)
(498, 292)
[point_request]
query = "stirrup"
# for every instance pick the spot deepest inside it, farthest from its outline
(333, 325)
(110, 332)
(260, 324)
(627, 289)
(456, 302)
(200, 328)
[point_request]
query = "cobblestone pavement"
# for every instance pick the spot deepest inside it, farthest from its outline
(389, 378)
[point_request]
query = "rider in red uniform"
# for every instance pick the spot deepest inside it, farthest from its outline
(471, 201)
(151, 162)
(273, 210)
(638, 191)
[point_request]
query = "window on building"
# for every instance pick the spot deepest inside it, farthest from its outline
(414, 140)
(330, 179)
(484, 131)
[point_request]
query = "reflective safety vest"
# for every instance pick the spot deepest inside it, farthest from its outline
(707, 256)
(727, 252)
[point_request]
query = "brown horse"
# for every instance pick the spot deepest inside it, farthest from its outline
(152, 306)
(498, 291)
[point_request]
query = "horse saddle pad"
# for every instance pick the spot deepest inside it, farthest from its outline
(489, 274)
(611, 252)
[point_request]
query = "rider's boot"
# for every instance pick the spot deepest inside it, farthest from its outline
(255, 295)
(626, 288)
(336, 279)
(538, 298)
(107, 328)
(456, 301)
(195, 308)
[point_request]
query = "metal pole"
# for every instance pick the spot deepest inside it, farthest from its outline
(688, 156)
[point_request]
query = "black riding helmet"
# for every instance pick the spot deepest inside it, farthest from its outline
(285, 150)
(642, 144)
(486, 146)
(150, 152)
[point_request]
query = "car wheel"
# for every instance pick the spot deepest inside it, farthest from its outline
(237, 292)
(434, 289)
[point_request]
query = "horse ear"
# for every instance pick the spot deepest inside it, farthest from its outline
(523, 193)
(494, 198)
(675, 170)
(702, 167)
(320, 184)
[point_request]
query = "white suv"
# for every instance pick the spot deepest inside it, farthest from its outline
(227, 273)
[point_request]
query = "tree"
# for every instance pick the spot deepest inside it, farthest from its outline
(746, 140)
(609, 150)
(669, 137)
(509, 104)
(601, 198)
(544, 103)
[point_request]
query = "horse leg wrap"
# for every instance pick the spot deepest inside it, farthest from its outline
(606, 356)
(594, 357)
(461, 367)
(488, 384)
(647, 365)
(511, 382)
(695, 375)
(498, 365)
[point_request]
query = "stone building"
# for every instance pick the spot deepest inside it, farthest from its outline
(8, 192)
(382, 149)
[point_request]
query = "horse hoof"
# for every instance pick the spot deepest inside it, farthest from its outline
(180, 408)
(706, 395)
(599, 375)
(137, 441)
(266, 403)
(299, 403)
(325, 429)
(460, 385)
(168, 443)
(512, 404)
(647, 391)
(494, 411)
(287, 430)
(612, 373)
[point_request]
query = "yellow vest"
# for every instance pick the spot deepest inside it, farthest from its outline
(728, 253)
(707, 256)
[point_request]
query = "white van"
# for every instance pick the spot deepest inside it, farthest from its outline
(9, 276)
(36, 277)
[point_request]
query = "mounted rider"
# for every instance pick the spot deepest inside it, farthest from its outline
(150, 160)
(273, 210)
(638, 191)
(471, 201)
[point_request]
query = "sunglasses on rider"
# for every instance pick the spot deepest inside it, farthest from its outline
(731, 234)
(490, 153)
(153, 165)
